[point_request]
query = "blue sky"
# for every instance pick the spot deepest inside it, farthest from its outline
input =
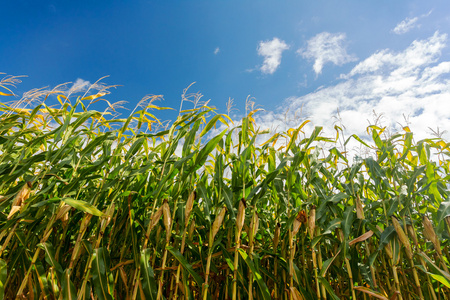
(311, 57)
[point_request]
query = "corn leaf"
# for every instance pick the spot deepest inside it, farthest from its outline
(83, 206)
(187, 266)
(99, 271)
(148, 283)
(3, 277)
(256, 275)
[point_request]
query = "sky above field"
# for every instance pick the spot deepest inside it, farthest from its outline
(353, 63)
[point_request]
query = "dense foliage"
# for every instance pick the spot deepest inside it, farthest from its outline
(99, 208)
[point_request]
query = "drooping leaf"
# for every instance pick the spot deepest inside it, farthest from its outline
(83, 206)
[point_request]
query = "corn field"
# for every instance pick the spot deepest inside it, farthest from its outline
(98, 207)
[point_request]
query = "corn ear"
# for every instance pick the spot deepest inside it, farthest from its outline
(167, 216)
(297, 224)
(312, 221)
(402, 237)
(240, 216)
(359, 208)
(155, 218)
(189, 206)
(276, 236)
(22, 195)
(430, 234)
(412, 234)
(218, 222)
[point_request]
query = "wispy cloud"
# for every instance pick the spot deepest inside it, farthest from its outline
(271, 51)
(79, 85)
(405, 25)
(408, 24)
(216, 51)
(326, 48)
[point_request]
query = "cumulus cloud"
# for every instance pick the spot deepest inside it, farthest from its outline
(406, 88)
(405, 25)
(271, 51)
(326, 48)
(216, 51)
(413, 83)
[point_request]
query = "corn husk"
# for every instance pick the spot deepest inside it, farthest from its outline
(240, 216)
(297, 224)
(430, 234)
(359, 208)
(402, 237)
(20, 199)
(388, 250)
(276, 236)
(218, 222)
(14, 209)
(167, 216)
(63, 213)
(22, 195)
(412, 234)
(189, 206)
(295, 294)
(109, 213)
(155, 218)
(191, 229)
(312, 222)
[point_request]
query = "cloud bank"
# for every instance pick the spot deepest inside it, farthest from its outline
(326, 48)
(271, 51)
(407, 88)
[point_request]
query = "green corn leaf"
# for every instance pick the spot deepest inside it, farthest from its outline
(186, 265)
(386, 236)
(83, 206)
(206, 150)
(3, 277)
(148, 283)
(438, 274)
(257, 276)
(99, 274)
(326, 264)
(50, 258)
(67, 287)
(212, 123)
(328, 287)
(134, 148)
(442, 279)
(347, 221)
(41, 276)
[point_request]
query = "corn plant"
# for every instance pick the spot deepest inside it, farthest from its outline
(98, 207)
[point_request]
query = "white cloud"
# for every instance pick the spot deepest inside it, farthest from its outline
(80, 85)
(271, 51)
(326, 47)
(405, 25)
(410, 87)
(216, 51)
(409, 23)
